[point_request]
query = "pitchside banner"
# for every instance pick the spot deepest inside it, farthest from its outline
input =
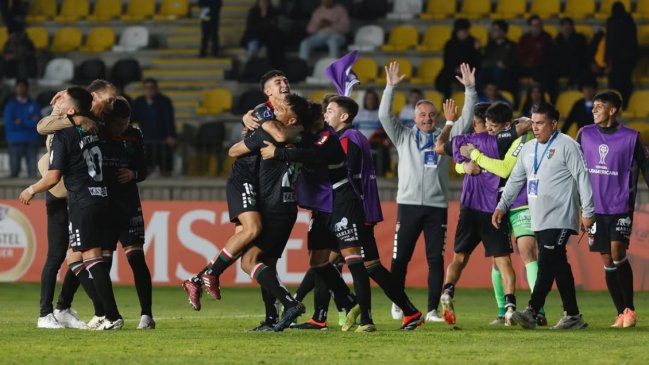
(182, 236)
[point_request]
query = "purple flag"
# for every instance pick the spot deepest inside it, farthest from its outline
(341, 74)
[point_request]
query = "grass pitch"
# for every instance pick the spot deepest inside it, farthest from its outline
(218, 334)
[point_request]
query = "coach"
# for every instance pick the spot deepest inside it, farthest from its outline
(422, 196)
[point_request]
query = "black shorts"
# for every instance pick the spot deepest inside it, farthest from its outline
(370, 250)
(475, 226)
(276, 229)
(127, 225)
(242, 197)
(89, 226)
(608, 228)
(550, 239)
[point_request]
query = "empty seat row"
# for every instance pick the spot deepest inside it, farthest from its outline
(60, 71)
(98, 39)
(510, 9)
(106, 10)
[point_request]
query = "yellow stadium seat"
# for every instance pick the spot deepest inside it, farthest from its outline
(106, 10)
(509, 9)
(572, 131)
(401, 38)
(545, 8)
(137, 10)
(642, 127)
(458, 97)
(552, 29)
(579, 9)
(643, 35)
(39, 36)
(638, 106)
(641, 9)
(318, 96)
(366, 69)
(435, 38)
(480, 33)
(66, 39)
(405, 68)
(605, 8)
(427, 71)
(439, 9)
(434, 96)
(73, 10)
(514, 33)
(507, 95)
(41, 10)
(399, 100)
(99, 39)
(215, 101)
(566, 100)
(4, 35)
(474, 9)
(586, 30)
(172, 9)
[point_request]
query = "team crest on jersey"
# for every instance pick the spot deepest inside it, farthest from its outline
(551, 153)
(323, 138)
(268, 114)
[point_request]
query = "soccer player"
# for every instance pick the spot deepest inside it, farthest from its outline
(479, 197)
(337, 215)
(519, 220)
(422, 197)
(103, 94)
(77, 155)
(241, 190)
(614, 157)
(278, 209)
(557, 182)
(125, 162)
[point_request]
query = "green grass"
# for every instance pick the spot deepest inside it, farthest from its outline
(218, 334)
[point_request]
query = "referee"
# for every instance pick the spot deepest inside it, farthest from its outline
(422, 207)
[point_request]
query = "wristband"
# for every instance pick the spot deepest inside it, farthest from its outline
(449, 122)
(30, 190)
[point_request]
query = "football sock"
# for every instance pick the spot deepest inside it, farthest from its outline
(398, 269)
(307, 284)
(532, 272)
(103, 286)
(361, 286)
(270, 306)
(499, 293)
(321, 298)
(107, 260)
(510, 301)
(450, 288)
(141, 276)
(336, 284)
(613, 285)
(267, 278)
(221, 263)
(70, 286)
(197, 278)
(382, 276)
(625, 281)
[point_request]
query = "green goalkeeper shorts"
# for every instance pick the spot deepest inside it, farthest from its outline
(521, 222)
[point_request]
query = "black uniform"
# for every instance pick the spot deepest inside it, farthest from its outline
(79, 155)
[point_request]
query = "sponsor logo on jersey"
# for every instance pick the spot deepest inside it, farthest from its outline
(323, 138)
(17, 243)
(98, 191)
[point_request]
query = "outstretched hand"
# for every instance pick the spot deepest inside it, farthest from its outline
(392, 73)
(468, 75)
(450, 110)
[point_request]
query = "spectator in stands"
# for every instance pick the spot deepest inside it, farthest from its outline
(210, 15)
(581, 112)
(491, 94)
(154, 112)
(367, 122)
(21, 114)
(573, 55)
(534, 54)
(407, 113)
(621, 52)
(461, 48)
(329, 26)
(19, 55)
(535, 95)
(499, 58)
(262, 30)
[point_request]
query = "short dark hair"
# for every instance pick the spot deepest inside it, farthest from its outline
(503, 25)
(121, 108)
(480, 110)
(567, 20)
(300, 107)
(461, 24)
(99, 85)
(547, 109)
(269, 75)
(610, 97)
(326, 99)
(22, 80)
(150, 80)
(348, 105)
(499, 113)
(532, 18)
(416, 91)
(81, 98)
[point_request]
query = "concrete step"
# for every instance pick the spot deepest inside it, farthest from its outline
(194, 63)
(184, 75)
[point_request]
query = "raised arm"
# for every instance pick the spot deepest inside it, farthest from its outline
(55, 122)
(281, 132)
(391, 124)
(450, 113)
(467, 79)
(523, 126)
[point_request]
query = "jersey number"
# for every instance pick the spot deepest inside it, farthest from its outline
(93, 160)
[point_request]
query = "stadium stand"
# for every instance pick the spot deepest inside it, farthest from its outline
(73, 11)
(99, 39)
(439, 9)
(641, 10)
(434, 38)
(638, 106)
(66, 39)
(509, 9)
(579, 9)
(58, 71)
(318, 77)
(366, 69)
(401, 38)
(427, 71)
(105, 10)
(172, 10)
(368, 38)
(39, 36)
(89, 70)
(406, 9)
(41, 10)
(138, 10)
(132, 39)
(215, 101)
(545, 8)
(475, 9)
